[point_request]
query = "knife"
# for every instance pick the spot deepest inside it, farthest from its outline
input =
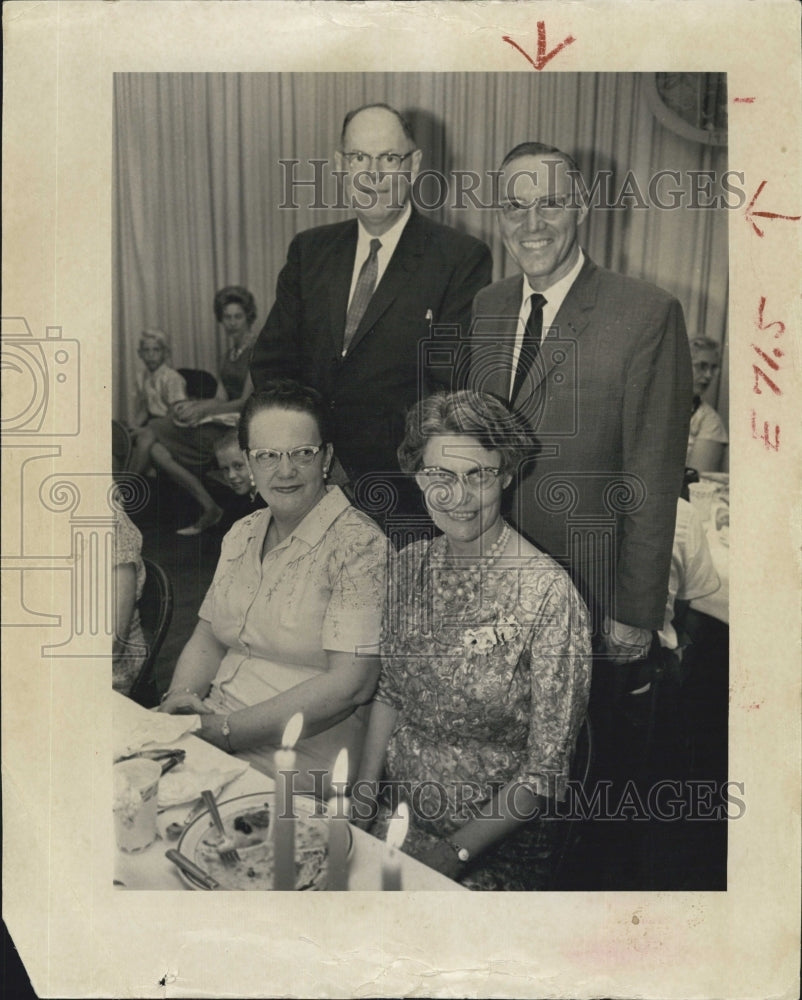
(182, 861)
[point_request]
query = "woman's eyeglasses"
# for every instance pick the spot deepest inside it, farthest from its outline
(268, 459)
(387, 163)
(480, 478)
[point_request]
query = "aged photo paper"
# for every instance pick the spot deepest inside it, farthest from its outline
(62, 362)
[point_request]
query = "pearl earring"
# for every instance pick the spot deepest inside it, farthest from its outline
(253, 481)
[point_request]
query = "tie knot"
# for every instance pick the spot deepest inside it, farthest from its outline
(375, 246)
(537, 300)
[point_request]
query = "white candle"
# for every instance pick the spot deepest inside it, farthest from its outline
(284, 817)
(396, 833)
(338, 825)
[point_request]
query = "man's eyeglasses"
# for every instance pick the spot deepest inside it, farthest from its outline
(549, 207)
(480, 478)
(268, 459)
(386, 163)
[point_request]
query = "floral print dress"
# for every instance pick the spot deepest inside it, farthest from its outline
(488, 668)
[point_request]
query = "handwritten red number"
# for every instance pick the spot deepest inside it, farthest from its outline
(765, 436)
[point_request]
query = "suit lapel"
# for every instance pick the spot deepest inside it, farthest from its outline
(344, 253)
(400, 271)
(493, 339)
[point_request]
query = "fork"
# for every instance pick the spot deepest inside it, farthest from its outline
(228, 854)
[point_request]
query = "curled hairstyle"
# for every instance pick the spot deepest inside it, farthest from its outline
(405, 126)
(700, 344)
(475, 414)
(285, 394)
(239, 295)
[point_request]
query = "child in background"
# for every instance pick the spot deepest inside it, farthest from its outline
(159, 387)
(235, 472)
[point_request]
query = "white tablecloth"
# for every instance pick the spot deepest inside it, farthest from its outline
(150, 869)
(718, 603)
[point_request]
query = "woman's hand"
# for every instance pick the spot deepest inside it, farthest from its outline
(184, 703)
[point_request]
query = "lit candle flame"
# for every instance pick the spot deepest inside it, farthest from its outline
(292, 731)
(339, 776)
(397, 827)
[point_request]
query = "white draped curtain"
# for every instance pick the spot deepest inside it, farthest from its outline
(200, 193)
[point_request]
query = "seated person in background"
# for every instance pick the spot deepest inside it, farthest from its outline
(234, 471)
(183, 446)
(159, 388)
(707, 437)
(130, 649)
(485, 660)
(295, 599)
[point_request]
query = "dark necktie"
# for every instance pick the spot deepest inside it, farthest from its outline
(530, 348)
(365, 286)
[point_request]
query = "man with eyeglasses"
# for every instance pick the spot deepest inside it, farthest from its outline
(356, 298)
(599, 364)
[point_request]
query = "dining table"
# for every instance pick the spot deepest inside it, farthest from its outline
(715, 516)
(151, 869)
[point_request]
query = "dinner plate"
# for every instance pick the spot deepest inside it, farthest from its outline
(254, 870)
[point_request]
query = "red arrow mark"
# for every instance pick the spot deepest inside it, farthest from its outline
(750, 213)
(542, 55)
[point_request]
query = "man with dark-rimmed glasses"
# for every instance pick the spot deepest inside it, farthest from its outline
(356, 298)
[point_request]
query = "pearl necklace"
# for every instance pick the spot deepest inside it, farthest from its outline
(461, 580)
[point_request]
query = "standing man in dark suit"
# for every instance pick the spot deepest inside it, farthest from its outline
(599, 364)
(356, 298)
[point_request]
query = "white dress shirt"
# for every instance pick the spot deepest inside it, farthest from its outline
(555, 296)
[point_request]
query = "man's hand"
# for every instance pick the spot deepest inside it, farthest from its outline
(625, 643)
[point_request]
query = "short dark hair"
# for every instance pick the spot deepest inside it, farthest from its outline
(406, 127)
(700, 343)
(238, 294)
(468, 412)
(532, 148)
(285, 394)
(552, 154)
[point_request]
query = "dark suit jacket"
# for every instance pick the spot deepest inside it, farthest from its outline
(609, 401)
(433, 268)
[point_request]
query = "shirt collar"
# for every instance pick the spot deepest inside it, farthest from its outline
(389, 240)
(555, 294)
(320, 518)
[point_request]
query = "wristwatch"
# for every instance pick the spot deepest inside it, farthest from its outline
(463, 854)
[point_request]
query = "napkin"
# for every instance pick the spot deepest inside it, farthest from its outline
(152, 729)
(185, 784)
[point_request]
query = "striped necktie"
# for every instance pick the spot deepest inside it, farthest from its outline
(530, 348)
(365, 286)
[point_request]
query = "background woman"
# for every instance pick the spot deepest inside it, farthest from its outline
(707, 437)
(295, 600)
(182, 447)
(485, 658)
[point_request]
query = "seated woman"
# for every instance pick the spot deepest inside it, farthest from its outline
(129, 650)
(707, 437)
(182, 445)
(485, 660)
(294, 604)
